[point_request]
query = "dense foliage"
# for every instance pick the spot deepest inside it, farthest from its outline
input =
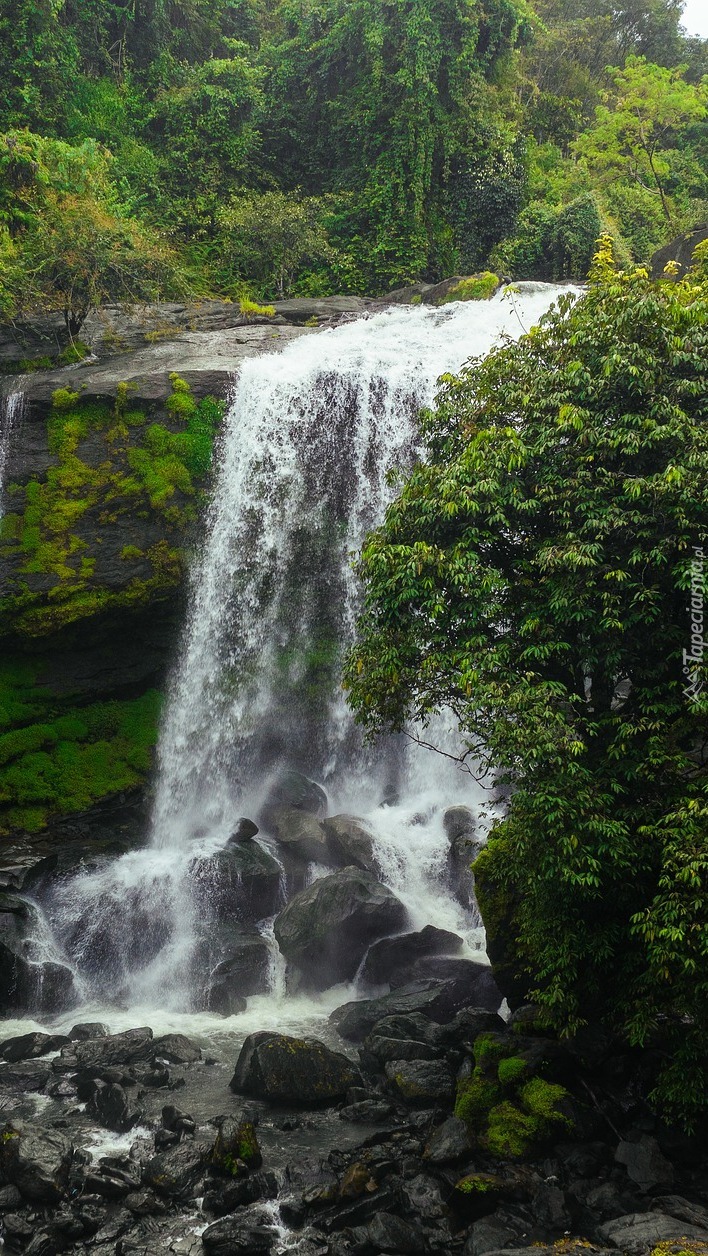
(541, 575)
(300, 146)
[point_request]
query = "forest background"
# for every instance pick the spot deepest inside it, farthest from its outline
(262, 148)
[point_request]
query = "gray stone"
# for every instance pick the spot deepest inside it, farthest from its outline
(242, 969)
(36, 1161)
(131, 1047)
(388, 1233)
(175, 1172)
(31, 1046)
(350, 842)
(326, 930)
(449, 1143)
(299, 833)
(240, 883)
(438, 1000)
(421, 1082)
(645, 1163)
(679, 250)
(641, 1231)
(683, 1209)
(237, 1236)
(489, 1234)
(88, 1029)
(302, 1071)
(176, 1049)
(393, 957)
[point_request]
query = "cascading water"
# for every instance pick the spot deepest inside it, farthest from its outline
(310, 436)
(11, 408)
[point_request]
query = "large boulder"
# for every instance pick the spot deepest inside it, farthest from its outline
(389, 960)
(292, 789)
(240, 882)
(641, 1231)
(176, 1171)
(300, 834)
(438, 1000)
(292, 1070)
(133, 1046)
(421, 1082)
(679, 250)
(239, 964)
(350, 842)
(461, 829)
(36, 1161)
(238, 1236)
(326, 930)
(474, 980)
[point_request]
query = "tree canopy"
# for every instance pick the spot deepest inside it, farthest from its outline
(537, 576)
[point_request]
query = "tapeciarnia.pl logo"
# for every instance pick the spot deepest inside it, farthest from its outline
(693, 658)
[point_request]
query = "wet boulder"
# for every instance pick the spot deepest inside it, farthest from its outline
(236, 1142)
(300, 834)
(238, 1236)
(421, 1082)
(292, 789)
(473, 979)
(461, 828)
(176, 1049)
(88, 1029)
(393, 957)
(449, 1143)
(350, 842)
(239, 882)
(301, 1071)
(175, 1173)
(112, 1108)
(325, 931)
(28, 981)
(31, 1046)
(244, 831)
(239, 963)
(438, 1000)
(36, 1161)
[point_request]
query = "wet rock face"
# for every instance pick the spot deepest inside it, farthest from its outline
(36, 1161)
(325, 931)
(240, 882)
(391, 958)
(292, 1070)
(28, 983)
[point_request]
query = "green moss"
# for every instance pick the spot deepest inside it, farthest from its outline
(477, 1184)
(545, 1101)
(488, 1050)
(65, 763)
(511, 1133)
(512, 1070)
(476, 288)
(475, 1096)
(251, 309)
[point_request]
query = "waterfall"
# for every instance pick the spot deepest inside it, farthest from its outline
(303, 461)
(11, 407)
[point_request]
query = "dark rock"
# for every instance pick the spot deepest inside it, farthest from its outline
(550, 1208)
(31, 1046)
(388, 1233)
(437, 1000)
(176, 1049)
(384, 1049)
(294, 1070)
(439, 293)
(421, 1082)
(683, 1209)
(466, 1026)
(326, 929)
(303, 309)
(449, 1143)
(241, 882)
(145, 1204)
(238, 961)
(474, 980)
(423, 1195)
(28, 1075)
(642, 1231)
(17, 1228)
(645, 1163)
(393, 957)
(292, 789)
(88, 1029)
(226, 1196)
(112, 1108)
(244, 831)
(350, 842)
(130, 1047)
(176, 1171)
(679, 250)
(366, 1111)
(9, 1198)
(299, 833)
(233, 1236)
(36, 1161)
(459, 822)
(490, 1234)
(460, 826)
(27, 983)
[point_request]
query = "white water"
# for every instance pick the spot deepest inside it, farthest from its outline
(309, 438)
(11, 408)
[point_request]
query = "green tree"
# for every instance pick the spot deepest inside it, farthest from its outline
(269, 236)
(638, 131)
(536, 576)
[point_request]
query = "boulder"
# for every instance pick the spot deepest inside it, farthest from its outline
(350, 842)
(473, 979)
(31, 1046)
(389, 1233)
(176, 1049)
(36, 1161)
(327, 928)
(292, 789)
(236, 1141)
(393, 957)
(240, 882)
(300, 834)
(244, 831)
(645, 1163)
(240, 968)
(175, 1172)
(112, 1107)
(130, 1047)
(642, 1231)
(421, 1082)
(460, 825)
(679, 250)
(238, 1236)
(302, 1071)
(29, 983)
(449, 1143)
(88, 1029)
(438, 1000)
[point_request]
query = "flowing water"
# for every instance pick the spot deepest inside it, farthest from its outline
(11, 408)
(303, 461)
